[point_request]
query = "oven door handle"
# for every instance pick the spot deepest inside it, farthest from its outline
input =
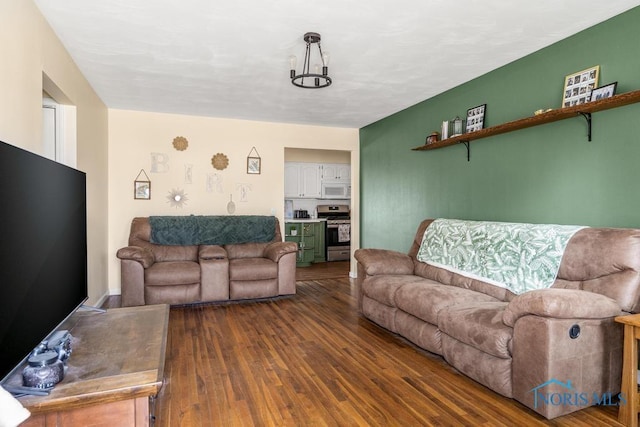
(335, 225)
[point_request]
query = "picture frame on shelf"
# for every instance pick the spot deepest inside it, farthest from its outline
(475, 118)
(578, 86)
(602, 92)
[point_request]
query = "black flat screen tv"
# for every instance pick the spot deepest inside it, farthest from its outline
(43, 250)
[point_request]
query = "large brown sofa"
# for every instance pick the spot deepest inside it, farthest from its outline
(555, 350)
(154, 273)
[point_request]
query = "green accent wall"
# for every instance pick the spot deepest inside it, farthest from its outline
(545, 174)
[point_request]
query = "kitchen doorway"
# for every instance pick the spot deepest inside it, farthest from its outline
(307, 173)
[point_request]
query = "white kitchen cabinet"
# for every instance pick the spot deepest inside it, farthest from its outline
(302, 180)
(291, 180)
(336, 172)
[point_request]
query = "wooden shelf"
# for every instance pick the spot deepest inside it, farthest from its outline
(584, 110)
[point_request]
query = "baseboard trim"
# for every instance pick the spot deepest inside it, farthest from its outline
(102, 299)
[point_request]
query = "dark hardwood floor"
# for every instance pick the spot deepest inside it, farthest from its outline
(323, 270)
(312, 360)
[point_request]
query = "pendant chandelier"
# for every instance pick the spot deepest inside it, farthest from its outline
(308, 80)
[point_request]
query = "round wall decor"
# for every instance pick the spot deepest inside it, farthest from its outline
(177, 198)
(220, 161)
(180, 143)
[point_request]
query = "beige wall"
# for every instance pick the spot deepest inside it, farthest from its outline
(133, 136)
(316, 156)
(112, 146)
(30, 50)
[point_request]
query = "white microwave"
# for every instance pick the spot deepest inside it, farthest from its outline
(336, 190)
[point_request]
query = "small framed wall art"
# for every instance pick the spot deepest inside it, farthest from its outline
(142, 187)
(254, 163)
(602, 92)
(578, 86)
(475, 118)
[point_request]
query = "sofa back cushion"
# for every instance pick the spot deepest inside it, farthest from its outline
(600, 260)
(417, 240)
(454, 279)
(211, 229)
(245, 250)
(141, 233)
(449, 278)
(605, 261)
(252, 250)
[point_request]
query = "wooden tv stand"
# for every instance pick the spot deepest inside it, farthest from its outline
(116, 368)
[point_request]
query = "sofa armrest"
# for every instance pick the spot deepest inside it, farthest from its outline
(560, 304)
(384, 261)
(208, 252)
(277, 249)
(136, 253)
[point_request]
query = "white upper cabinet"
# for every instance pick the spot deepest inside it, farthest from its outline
(302, 180)
(336, 172)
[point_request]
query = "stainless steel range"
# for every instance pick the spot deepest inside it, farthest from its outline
(338, 231)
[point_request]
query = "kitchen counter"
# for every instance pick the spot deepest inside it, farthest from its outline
(309, 235)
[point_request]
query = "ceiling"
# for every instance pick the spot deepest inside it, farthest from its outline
(230, 59)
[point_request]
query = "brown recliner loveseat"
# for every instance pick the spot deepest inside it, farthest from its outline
(556, 350)
(158, 273)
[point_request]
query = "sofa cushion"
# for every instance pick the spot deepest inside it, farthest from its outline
(172, 273)
(419, 332)
(424, 299)
(493, 372)
(164, 253)
(478, 325)
(449, 278)
(382, 314)
(180, 294)
(246, 250)
(252, 269)
(249, 289)
(383, 288)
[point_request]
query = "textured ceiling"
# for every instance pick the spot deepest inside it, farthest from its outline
(231, 58)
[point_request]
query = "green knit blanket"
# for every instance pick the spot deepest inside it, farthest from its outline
(519, 257)
(212, 230)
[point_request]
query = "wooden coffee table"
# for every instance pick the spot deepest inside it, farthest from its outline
(116, 368)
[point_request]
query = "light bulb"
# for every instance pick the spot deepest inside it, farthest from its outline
(292, 64)
(325, 59)
(325, 63)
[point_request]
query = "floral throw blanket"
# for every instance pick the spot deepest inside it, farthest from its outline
(519, 257)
